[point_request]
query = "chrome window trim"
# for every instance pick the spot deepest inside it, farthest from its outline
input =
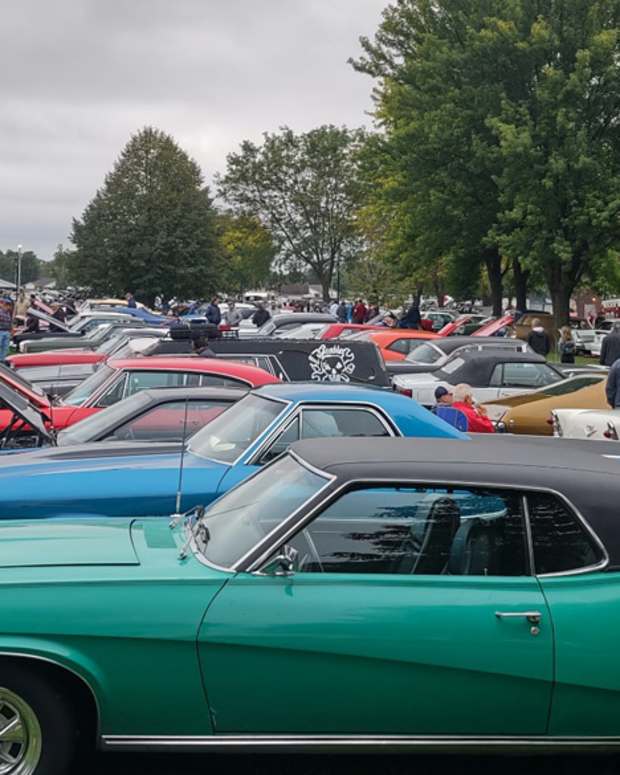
(329, 478)
(523, 490)
(379, 743)
(375, 409)
(528, 534)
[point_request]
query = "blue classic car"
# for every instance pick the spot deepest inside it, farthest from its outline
(118, 479)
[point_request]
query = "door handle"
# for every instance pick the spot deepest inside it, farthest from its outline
(533, 617)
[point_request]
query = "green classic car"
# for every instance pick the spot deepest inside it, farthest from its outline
(387, 595)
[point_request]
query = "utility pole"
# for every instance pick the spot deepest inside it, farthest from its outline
(18, 282)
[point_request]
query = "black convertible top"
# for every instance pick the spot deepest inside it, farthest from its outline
(587, 473)
(475, 367)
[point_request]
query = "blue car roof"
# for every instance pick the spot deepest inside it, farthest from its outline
(411, 418)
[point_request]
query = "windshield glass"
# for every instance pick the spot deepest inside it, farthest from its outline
(244, 516)
(97, 331)
(267, 328)
(89, 428)
(424, 353)
(570, 385)
(85, 390)
(105, 348)
(230, 434)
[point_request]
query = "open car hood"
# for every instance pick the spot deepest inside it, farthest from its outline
(36, 313)
(27, 413)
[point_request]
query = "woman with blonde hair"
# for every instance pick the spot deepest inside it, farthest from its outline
(566, 345)
(477, 420)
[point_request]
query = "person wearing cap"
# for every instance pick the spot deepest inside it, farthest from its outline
(6, 323)
(443, 396)
(477, 420)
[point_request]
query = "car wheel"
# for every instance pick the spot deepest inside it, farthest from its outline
(37, 727)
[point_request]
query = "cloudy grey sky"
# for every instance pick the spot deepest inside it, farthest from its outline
(78, 76)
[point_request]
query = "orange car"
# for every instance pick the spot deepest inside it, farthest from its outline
(396, 343)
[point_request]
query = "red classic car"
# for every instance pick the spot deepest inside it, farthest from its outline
(118, 379)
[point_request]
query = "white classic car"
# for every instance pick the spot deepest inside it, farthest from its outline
(490, 373)
(597, 424)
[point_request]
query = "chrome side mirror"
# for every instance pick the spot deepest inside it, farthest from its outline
(284, 564)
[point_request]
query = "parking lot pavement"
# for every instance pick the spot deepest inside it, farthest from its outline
(123, 764)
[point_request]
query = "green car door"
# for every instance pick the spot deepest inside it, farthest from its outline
(411, 610)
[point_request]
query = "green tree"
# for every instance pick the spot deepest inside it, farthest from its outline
(31, 266)
(304, 188)
(501, 135)
(247, 251)
(151, 227)
(62, 267)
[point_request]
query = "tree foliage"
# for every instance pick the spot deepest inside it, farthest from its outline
(247, 251)
(304, 188)
(151, 227)
(499, 119)
(31, 266)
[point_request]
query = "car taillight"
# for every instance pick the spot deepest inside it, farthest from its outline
(405, 391)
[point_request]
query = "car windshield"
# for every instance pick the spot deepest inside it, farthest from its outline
(230, 434)
(97, 331)
(85, 390)
(424, 353)
(105, 348)
(90, 427)
(267, 328)
(239, 520)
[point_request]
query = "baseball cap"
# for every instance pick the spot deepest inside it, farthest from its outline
(440, 392)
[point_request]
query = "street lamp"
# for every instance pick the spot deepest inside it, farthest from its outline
(18, 282)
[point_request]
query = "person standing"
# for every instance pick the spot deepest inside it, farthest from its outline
(610, 348)
(341, 312)
(232, 316)
(412, 319)
(131, 302)
(612, 388)
(567, 345)
(359, 312)
(213, 313)
(477, 420)
(261, 316)
(538, 339)
(21, 305)
(333, 308)
(6, 322)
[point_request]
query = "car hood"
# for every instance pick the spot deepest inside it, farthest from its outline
(58, 542)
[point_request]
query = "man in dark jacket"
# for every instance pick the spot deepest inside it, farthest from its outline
(610, 348)
(213, 313)
(538, 339)
(413, 318)
(612, 388)
(261, 316)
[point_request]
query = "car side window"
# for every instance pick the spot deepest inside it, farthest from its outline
(400, 346)
(560, 540)
(167, 422)
(218, 380)
(497, 376)
(419, 531)
(320, 423)
(528, 375)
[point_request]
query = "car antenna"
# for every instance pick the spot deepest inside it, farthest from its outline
(177, 509)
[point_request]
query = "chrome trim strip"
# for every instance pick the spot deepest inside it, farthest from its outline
(379, 743)
(528, 534)
(523, 489)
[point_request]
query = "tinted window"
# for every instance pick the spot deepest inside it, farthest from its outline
(529, 375)
(561, 542)
(169, 422)
(417, 530)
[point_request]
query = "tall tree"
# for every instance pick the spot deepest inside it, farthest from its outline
(31, 266)
(304, 188)
(151, 227)
(247, 250)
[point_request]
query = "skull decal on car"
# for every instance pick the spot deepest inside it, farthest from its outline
(331, 363)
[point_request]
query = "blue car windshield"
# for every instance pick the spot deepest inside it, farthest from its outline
(239, 520)
(229, 435)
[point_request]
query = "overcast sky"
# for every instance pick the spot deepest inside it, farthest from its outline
(79, 76)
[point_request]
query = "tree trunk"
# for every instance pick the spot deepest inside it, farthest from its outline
(561, 292)
(493, 263)
(325, 286)
(521, 278)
